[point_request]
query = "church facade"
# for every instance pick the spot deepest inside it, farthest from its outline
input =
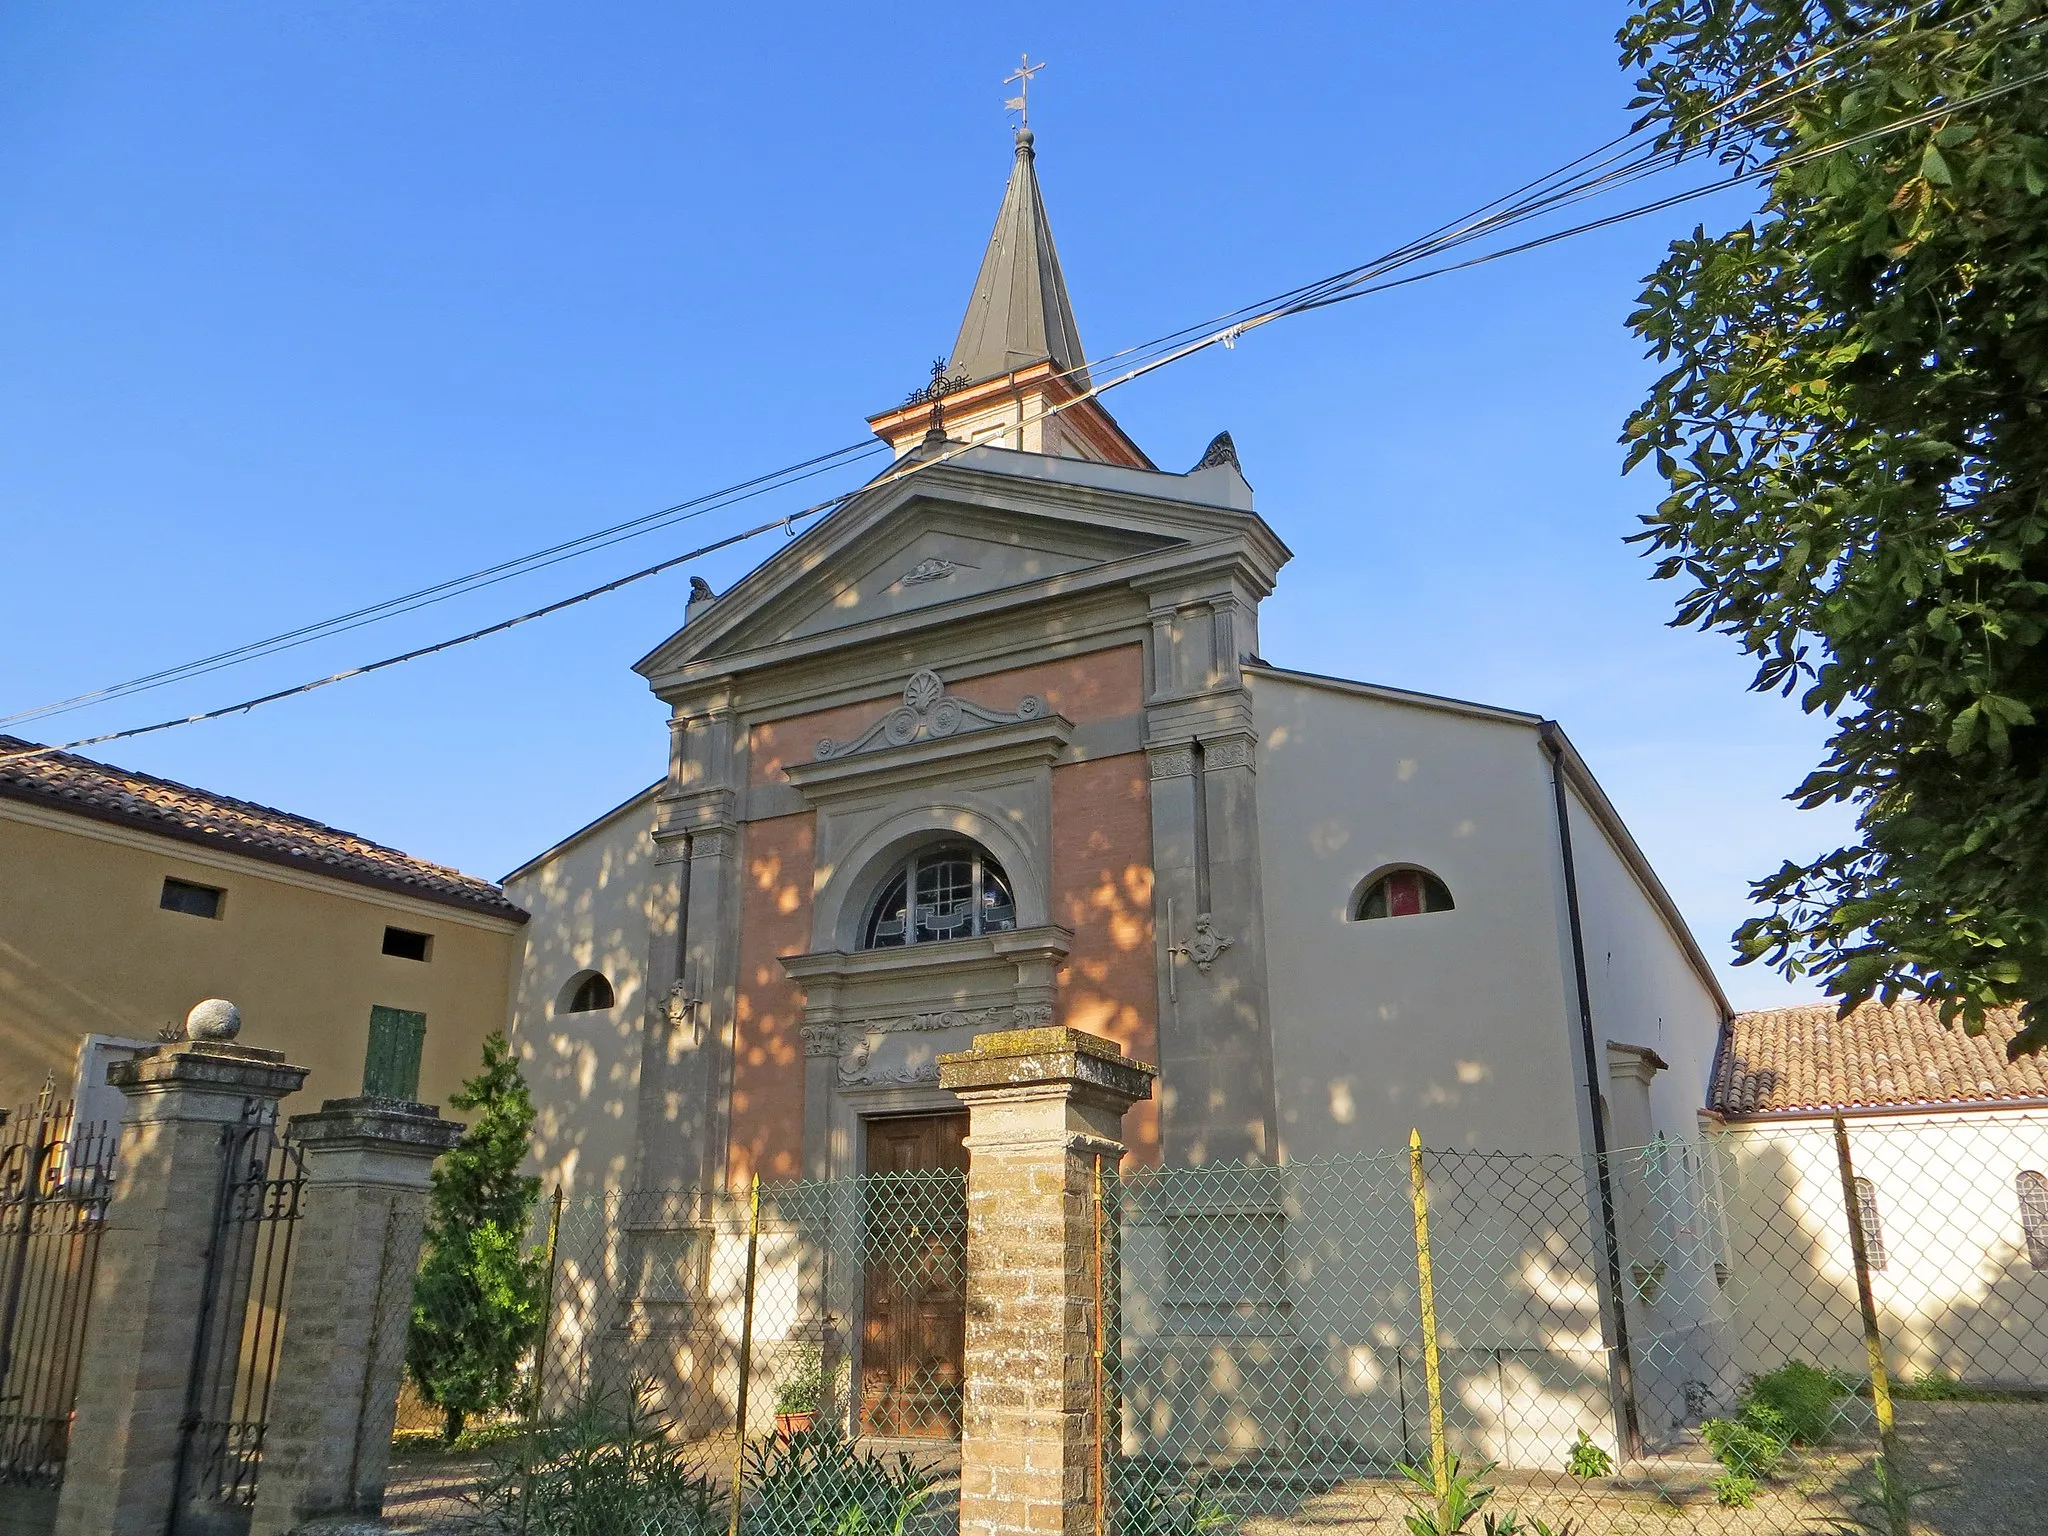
(993, 744)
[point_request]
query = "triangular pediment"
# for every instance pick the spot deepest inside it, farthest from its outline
(940, 554)
(985, 532)
(926, 553)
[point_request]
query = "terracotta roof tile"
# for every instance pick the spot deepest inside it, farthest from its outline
(64, 782)
(1788, 1060)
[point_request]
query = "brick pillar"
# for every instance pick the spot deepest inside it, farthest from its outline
(347, 1301)
(121, 1472)
(1044, 1105)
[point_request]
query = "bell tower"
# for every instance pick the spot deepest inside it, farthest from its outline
(1018, 377)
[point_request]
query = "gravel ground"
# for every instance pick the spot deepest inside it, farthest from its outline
(1994, 1454)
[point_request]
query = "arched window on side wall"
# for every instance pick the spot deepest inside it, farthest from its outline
(951, 891)
(2034, 1216)
(1403, 893)
(1873, 1227)
(586, 992)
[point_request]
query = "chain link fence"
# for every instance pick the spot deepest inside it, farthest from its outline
(828, 1318)
(1680, 1346)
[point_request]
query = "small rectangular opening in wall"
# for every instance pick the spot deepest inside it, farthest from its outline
(194, 900)
(406, 944)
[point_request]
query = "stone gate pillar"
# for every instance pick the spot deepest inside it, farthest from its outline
(347, 1301)
(1044, 1105)
(121, 1473)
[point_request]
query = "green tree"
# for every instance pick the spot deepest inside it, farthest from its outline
(477, 1299)
(1853, 434)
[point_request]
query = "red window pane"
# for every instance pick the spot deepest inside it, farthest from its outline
(1404, 893)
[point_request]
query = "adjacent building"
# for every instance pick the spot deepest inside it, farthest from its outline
(125, 899)
(1949, 1148)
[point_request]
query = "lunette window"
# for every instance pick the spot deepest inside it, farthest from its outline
(952, 891)
(1404, 893)
(593, 994)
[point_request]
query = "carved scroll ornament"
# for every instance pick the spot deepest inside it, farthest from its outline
(928, 712)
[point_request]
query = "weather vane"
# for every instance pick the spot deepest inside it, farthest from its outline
(1021, 102)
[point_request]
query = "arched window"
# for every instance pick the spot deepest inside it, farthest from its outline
(952, 891)
(1873, 1228)
(2034, 1216)
(1403, 893)
(586, 993)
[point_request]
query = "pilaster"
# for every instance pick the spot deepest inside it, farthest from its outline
(1201, 738)
(686, 1052)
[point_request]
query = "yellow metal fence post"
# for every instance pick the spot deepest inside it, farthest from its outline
(739, 1427)
(1439, 1459)
(1892, 1484)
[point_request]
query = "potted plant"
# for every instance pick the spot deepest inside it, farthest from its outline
(797, 1395)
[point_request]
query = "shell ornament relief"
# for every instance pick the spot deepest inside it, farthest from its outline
(928, 712)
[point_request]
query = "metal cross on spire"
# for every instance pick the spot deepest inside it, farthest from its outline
(1021, 102)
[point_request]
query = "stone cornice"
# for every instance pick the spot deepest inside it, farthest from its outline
(1049, 942)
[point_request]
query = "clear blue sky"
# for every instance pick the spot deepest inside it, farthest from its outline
(305, 305)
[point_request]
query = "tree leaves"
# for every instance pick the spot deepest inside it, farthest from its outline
(1853, 433)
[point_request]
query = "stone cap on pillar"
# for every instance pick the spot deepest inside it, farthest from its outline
(208, 1066)
(1016, 1058)
(373, 1123)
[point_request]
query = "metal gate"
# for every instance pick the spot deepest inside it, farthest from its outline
(241, 1325)
(55, 1178)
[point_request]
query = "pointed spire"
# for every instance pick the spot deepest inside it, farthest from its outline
(1020, 313)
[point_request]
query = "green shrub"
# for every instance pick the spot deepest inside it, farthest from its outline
(802, 1386)
(1802, 1396)
(816, 1482)
(1449, 1510)
(1162, 1498)
(1750, 1446)
(1587, 1460)
(1734, 1490)
(606, 1466)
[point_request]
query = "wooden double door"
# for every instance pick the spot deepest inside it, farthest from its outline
(914, 1276)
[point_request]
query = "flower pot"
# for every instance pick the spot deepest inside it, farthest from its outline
(789, 1425)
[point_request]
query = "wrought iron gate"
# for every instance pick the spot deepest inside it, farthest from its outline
(241, 1325)
(55, 1177)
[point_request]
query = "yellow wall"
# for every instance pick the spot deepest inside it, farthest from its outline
(85, 948)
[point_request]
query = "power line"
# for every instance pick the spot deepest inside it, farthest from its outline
(1339, 288)
(1555, 189)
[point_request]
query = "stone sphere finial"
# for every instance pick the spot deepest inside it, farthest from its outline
(214, 1019)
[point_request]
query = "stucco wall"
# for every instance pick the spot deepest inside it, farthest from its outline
(593, 907)
(86, 948)
(1455, 1022)
(1643, 986)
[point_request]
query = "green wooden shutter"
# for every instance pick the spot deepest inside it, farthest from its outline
(391, 1070)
